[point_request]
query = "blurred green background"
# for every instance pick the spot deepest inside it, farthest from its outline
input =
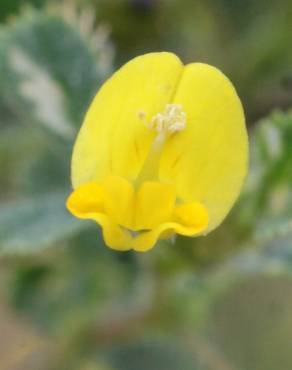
(221, 302)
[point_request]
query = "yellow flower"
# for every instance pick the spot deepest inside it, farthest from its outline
(163, 150)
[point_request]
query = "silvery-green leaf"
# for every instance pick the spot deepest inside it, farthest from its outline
(30, 225)
(48, 72)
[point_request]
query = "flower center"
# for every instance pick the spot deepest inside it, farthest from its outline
(165, 124)
(173, 119)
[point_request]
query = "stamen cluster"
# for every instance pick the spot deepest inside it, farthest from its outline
(173, 119)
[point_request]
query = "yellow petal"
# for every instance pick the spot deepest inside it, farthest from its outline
(115, 237)
(85, 200)
(193, 215)
(188, 219)
(113, 138)
(208, 159)
(148, 239)
(154, 204)
(119, 200)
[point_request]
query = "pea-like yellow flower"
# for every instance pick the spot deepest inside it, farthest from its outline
(163, 150)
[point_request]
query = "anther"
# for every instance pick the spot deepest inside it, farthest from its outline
(173, 119)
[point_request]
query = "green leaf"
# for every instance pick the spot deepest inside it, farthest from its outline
(268, 192)
(48, 72)
(31, 225)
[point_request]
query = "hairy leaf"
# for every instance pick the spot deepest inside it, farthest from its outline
(31, 225)
(48, 73)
